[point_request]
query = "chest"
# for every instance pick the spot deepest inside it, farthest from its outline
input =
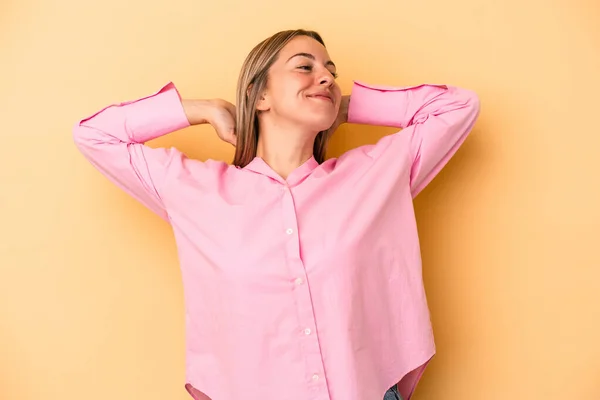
(259, 228)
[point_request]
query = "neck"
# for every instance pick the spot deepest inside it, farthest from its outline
(284, 149)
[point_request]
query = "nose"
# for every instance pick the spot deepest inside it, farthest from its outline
(326, 81)
(325, 77)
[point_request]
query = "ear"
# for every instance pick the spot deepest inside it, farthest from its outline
(263, 104)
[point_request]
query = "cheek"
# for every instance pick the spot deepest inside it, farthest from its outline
(289, 89)
(338, 96)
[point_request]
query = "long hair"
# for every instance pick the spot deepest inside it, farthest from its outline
(252, 82)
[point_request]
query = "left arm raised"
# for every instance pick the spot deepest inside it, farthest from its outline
(438, 119)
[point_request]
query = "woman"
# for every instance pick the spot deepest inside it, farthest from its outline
(302, 276)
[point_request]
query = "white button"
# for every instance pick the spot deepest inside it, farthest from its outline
(289, 231)
(315, 377)
(307, 331)
(299, 281)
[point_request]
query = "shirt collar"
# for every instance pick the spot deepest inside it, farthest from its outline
(259, 166)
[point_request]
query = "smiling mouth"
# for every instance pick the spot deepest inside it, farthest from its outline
(322, 97)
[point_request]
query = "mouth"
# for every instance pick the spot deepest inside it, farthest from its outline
(322, 96)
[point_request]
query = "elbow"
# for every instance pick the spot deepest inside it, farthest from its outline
(84, 137)
(79, 134)
(473, 108)
(469, 107)
(77, 131)
(89, 140)
(473, 103)
(93, 131)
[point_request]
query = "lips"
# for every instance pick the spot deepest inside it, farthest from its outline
(322, 96)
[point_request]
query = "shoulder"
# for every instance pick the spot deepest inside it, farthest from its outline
(183, 170)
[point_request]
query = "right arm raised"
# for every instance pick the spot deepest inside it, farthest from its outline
(112, 140)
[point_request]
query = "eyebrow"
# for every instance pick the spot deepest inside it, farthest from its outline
(308, 55)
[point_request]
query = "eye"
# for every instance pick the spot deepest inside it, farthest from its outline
(310, 67)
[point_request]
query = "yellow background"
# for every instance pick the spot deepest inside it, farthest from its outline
(90, 293)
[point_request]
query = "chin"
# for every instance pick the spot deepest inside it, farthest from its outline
(320, 123)
(318, 127)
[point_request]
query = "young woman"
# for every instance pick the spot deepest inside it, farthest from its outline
(302, 276)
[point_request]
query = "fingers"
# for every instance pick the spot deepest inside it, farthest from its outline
(230, 136)
(232, 139)
(231, 108)
(233, 131)
(225, 122)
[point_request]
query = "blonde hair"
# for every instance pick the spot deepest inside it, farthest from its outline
(252, 82)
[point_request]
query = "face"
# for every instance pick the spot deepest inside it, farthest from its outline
(301, 86)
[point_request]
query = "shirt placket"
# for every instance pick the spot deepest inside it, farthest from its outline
(308, 335)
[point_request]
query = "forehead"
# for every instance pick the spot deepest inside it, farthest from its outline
(304, 44)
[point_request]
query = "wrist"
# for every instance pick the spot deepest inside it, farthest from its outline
(197, 111)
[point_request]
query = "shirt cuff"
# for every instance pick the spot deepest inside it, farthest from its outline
(150, 117)
(387, 105)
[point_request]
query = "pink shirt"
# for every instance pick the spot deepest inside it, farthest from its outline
(308, 288)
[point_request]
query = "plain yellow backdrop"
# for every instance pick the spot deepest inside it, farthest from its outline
(90, 292)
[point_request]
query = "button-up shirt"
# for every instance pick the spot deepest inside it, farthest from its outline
(305, 288)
